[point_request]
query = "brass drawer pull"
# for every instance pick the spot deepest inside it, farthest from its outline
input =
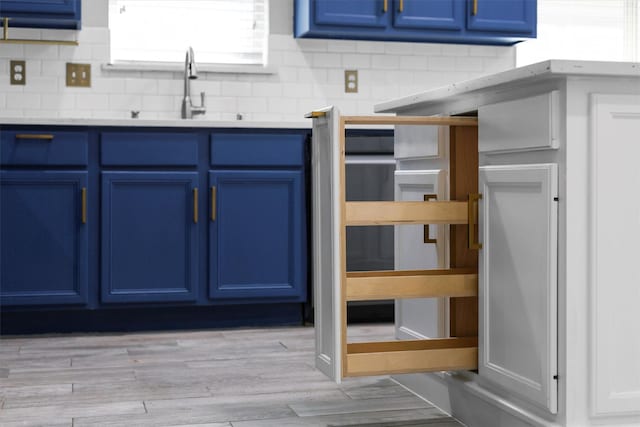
(427, 237)
(213, 203)
(84, 205)
(473, 217)
(474, 12)
(401, 6)
(39, 136)
(195, 205)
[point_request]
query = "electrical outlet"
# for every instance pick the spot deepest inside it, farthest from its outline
(18, 71)
(351, 81)
(78, 75)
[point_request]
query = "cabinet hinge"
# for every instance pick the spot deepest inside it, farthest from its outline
(555, 199)
(555, 377)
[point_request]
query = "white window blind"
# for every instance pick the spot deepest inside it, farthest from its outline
(598, 30)
(220, 31)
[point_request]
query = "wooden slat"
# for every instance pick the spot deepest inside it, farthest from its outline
(463, 143)
(389, 213)
(422, 284)
(410, 345)
(399, 357)
(410, 120)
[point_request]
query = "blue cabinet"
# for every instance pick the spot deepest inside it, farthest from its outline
(500, 22)
(42, 13)
(257, 235)
(257, 226)
(149, 250)
(43, 236)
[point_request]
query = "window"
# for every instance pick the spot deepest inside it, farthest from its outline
(160, 31)
(599, 30)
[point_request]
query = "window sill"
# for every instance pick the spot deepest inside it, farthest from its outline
(179, 68)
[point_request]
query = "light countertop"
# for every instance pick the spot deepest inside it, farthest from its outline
(535, 72)
(177, 123)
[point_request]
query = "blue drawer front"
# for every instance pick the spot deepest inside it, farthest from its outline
(148, 149)
(257, 149)
(43, 148)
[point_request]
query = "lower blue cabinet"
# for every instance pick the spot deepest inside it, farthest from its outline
(43, 237)
(257, 235)
(149, 237)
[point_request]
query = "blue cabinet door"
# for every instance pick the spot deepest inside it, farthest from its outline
(43, 237)
(42, 13)
(352, 13)
(429, 15)
(257, 236)
(149, 250)
(507, 16)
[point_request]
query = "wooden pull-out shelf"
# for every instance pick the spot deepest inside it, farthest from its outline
(382, 285)
(393, 357)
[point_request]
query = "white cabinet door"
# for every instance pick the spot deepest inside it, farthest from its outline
(325, 247)
(614, 277)
(518, 280)
(419, 247)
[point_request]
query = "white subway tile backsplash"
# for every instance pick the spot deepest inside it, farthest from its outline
(265, 89)
(413, 62)
(465, 63)
(252, 105)
(12, 51)
(385, 62)
(59, 102)
(308, 74)
(356, 60)
(441, 63)
(141, 86)
(455, 50)
(236, 89)
(313, 45)
(341, 46)
(160, 102)
(89, 101)
(40, 51)
(369, 47)
(326, 60)
(399, 48)
(24, 101)
(44, 85)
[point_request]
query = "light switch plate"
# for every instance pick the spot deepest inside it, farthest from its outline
(78, 75)
(18, 72)
(351, 81)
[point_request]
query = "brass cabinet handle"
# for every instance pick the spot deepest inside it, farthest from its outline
(401, 6)
(39, 136)
(474, 12)
(427, 238)
(84, 205)
(195, 205)
(385, 6)
(213, 203)
(472, 212)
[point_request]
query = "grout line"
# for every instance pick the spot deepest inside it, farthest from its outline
(144, 404)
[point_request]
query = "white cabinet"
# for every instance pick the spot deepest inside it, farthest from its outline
(518, 280)
(613, 255)
(419, 247)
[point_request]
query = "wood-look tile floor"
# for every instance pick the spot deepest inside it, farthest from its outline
(232, 378)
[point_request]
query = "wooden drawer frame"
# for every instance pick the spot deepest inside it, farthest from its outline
(460, 282)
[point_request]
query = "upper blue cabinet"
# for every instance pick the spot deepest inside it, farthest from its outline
(42, 13)
(499, 22)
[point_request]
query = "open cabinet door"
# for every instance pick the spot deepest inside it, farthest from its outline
(325, 247)
(334, 286)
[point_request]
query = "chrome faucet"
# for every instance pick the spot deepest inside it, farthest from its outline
(190, 73)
